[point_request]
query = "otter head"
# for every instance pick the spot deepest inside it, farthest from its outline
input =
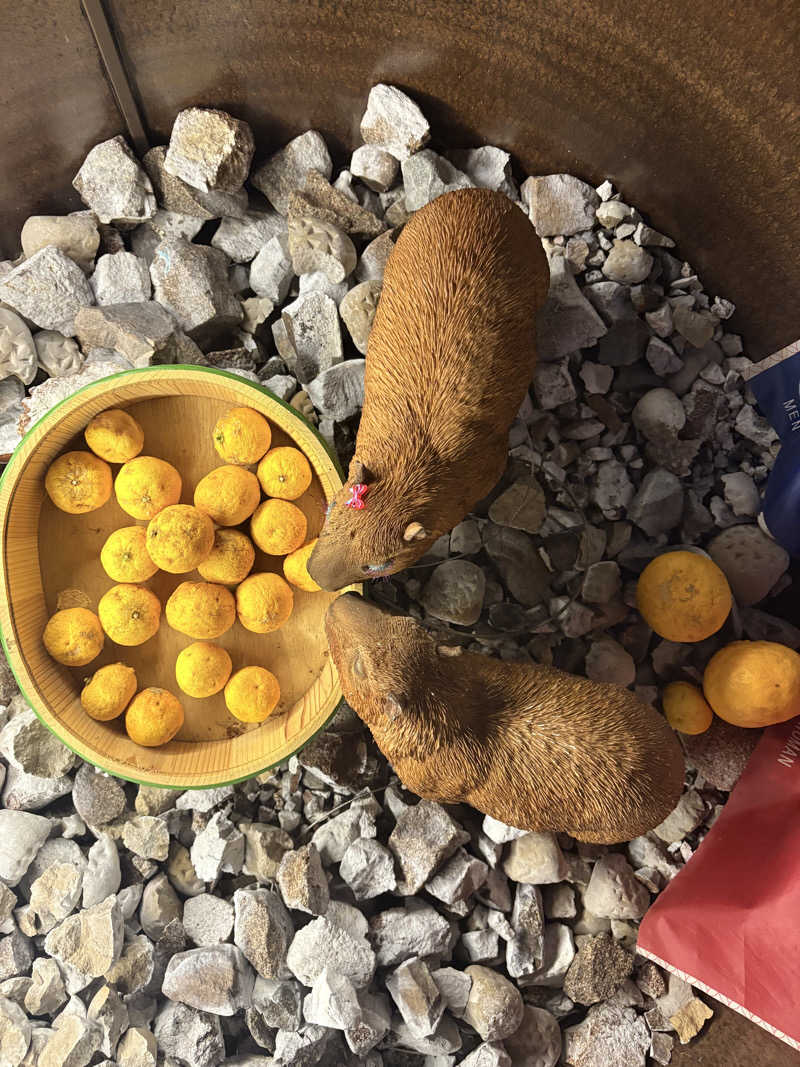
(386, 535)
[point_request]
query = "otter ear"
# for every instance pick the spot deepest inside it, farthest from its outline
(395, 706)
(359, 473)
(415, 531)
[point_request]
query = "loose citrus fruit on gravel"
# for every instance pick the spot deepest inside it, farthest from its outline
(228, 494)
(109, 691)
(252, 694)
(124, 556)
(230, 560)
(278, 527)
(202, 669)
(201, 610)
(78, 482)
(145, 485)
(130, 614)
(686, 708)
(153, 717)
(285, 473)
(115, 436)
(264, 602)
(241, 436)
(74, 637)
(683, 596)
(753, 683)
(179, 538)
(295, 567)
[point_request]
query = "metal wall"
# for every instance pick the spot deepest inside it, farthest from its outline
(692, 109)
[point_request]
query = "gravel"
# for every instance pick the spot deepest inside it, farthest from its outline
(282, 909)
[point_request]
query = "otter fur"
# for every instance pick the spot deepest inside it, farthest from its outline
(449, 359)
(531, 746)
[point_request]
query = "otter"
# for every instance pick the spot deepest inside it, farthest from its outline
(449, 359)
(532, 746)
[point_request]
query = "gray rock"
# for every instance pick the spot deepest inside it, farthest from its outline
(752, 562)
(144, 333)
(48, 289)
(494, 1007)
(446, 1040)
(522, 506)
(537, 1040)
(368, 868)
(191, 281)
(87, 944)
(611, 213)
(54, 895)
(601, 582)
(138, 1048)
(147, 836)
(374, 166)
(241, 239)
(460, 877)
(520, 566)
(209, 149)
(608, 661)
(271, 271)
(755, 428)
(207, 920)
(318, 282)
(417, 997)
(465, 538)
(662, 358)
(337, 392)
(279, 1002)
(218, 848)
(120, 279)
(303, 1048)
(175, 195)
(455, 592)
(394, 122)
(598, 970)
(98, 798)
(286, 170)
(658, 504)
(322, 944)
(322, 201)
(315, 245)
(559, 204)
(423, 838)
(108, 1011)
(54, 851)
(315, 340)
(29, 792)
(16, 955)
(215, 978)
(609, 1036)
(535, 859)
(135, 968)
(46, 993)
(332, 1002)
(694, 362)
(160, 905)
(613, 489)
(553, 385)
(188, 1037)
(659, 414)
(488, 168)
(76, 235)
(302, 881)
(357, 310)
(113, 184)
(741, 494)
(596, 377)
(627, 262)
(264, 848)
(489, 1054)
(695, 326)
(525, 951)
(567, 321)
(58, 355)
(335, 836)
(683, 819)
(373, 259)
(400, 933)
(427, 175)
(481, 946)
(181, 871)
(262, 930)
(21, 836)
(613, 891)
(73, 1043)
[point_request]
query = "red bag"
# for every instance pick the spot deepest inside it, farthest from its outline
(729, 923)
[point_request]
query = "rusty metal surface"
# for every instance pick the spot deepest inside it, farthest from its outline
(54, 105)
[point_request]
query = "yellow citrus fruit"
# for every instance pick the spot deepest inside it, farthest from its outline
(78, 482)
(74, 637)
(295, 567)
(252, 694)
(683, 596)
(201, 610)
(242, 436)
(753, 683)
(231, 559)
(179, 538)
(264, 602)
(115, 436)
(109, 691)
(278, 527)
(285, 473)
(686, 709)
(145, 485)
(153, 717)
(124, 556)
(130, 614)
(202, 669)
(228, 494)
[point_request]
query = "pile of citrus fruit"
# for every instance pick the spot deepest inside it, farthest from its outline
(181, 538)
(685, 597)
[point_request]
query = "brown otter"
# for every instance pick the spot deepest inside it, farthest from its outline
(449, 358)
(530, 745)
